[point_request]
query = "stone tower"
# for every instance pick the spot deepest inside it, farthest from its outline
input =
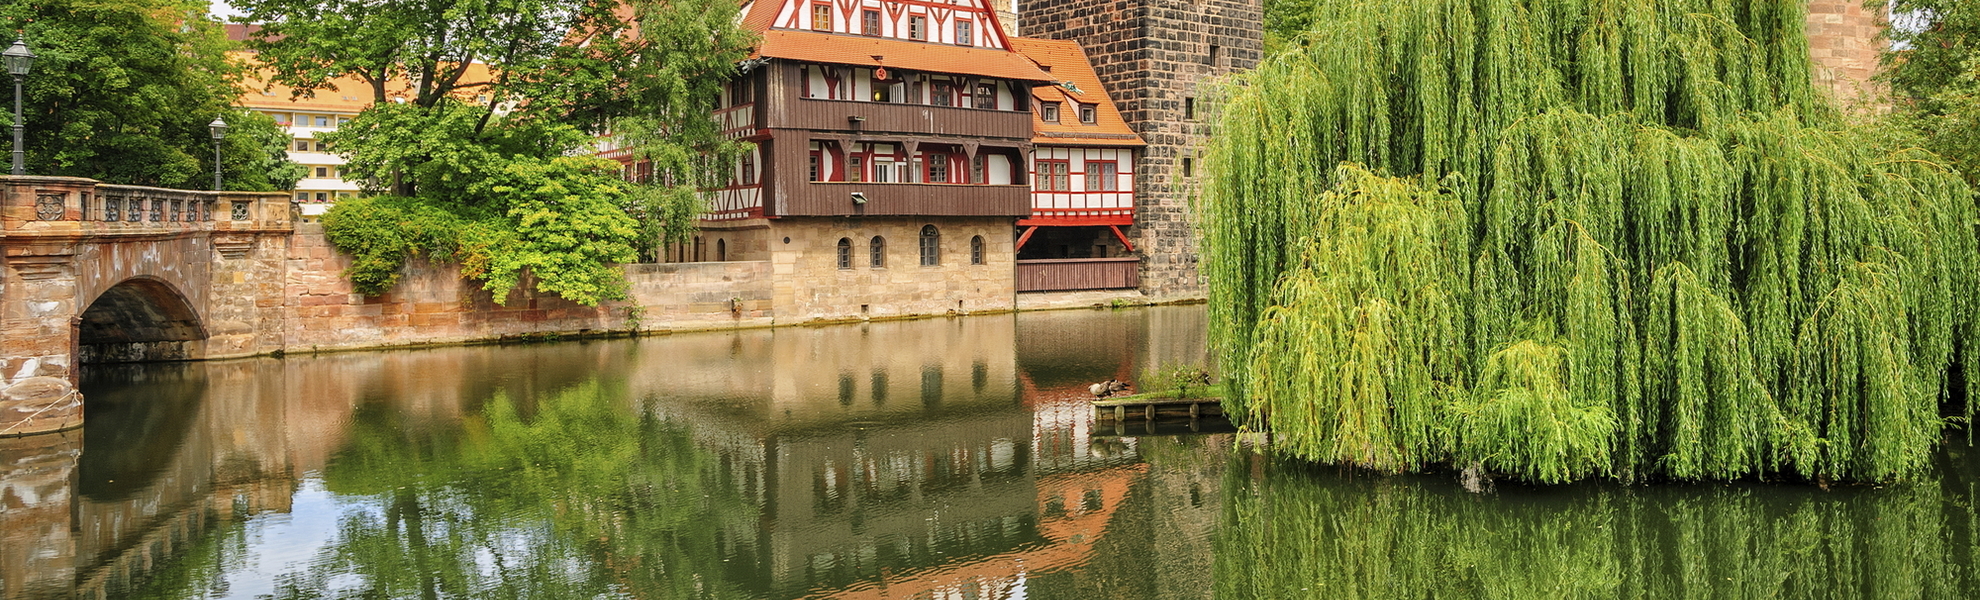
(1843, 41)
(1158, 59)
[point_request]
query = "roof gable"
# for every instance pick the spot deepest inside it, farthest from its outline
(966, 23)
(1067, 64)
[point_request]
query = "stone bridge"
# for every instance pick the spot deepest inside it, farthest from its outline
(91, 272)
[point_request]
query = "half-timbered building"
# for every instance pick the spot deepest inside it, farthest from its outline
(1082, 180)
(900, 149)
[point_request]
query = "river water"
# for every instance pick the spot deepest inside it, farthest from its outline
(945, 458)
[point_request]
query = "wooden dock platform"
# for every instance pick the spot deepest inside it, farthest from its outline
(1150, 409)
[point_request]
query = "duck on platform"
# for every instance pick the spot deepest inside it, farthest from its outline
(1107, 388)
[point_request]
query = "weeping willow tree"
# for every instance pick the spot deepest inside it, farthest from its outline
(1571, 238)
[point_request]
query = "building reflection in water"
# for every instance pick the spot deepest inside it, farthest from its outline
(936, 458)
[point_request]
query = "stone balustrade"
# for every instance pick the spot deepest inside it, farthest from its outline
(73, 206)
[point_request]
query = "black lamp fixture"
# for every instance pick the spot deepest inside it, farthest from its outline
(219, 129)
(19, 61)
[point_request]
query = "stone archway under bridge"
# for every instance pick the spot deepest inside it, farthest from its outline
(91, 272)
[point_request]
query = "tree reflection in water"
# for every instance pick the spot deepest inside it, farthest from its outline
(1291, 531)
(582, 499)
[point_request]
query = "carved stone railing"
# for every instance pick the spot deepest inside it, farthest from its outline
(72, 206)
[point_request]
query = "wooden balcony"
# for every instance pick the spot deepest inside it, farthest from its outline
(897, 118)
(1066, 274)
(835, 198)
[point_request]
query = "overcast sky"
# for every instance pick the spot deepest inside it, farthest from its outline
(223, 10)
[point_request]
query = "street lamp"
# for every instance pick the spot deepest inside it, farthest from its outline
(19, 60)
(219, 127)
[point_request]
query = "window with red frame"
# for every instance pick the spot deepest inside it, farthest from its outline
(1054, 176)
(965, 33)
(1100, 176)
(869, 22)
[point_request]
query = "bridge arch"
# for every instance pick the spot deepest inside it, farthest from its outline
(140, 318)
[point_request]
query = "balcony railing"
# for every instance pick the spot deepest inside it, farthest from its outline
(894, 117)
(1068, 274)
(835, 198)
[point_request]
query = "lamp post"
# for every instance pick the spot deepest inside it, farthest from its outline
(19, 60)
(219, 127)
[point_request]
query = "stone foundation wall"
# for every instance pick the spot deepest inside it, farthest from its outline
(810, 285)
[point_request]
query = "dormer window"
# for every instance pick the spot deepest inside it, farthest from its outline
(1049, 111)
(1088, 114)
(918, 28)
(965, 34)
(821, 17)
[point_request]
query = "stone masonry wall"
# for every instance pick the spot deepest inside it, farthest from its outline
(1842, 38)
(433, 304)
(1155, 57)
(810, 285)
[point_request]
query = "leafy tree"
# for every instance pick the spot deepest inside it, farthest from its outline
(123, 91)
(1935, 73)
(478, 163)
(1562, 239)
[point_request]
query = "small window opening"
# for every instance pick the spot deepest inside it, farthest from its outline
(931, 246)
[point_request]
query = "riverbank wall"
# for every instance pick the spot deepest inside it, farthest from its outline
(433, 305)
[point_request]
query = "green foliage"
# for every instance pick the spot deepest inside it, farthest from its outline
(1936, 77)
(1569, 239)
(123, 91)
(562, 226)
(1177, 380)
(486, 162)
(570, 231)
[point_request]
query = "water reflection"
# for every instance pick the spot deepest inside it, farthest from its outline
(1292, 531)
(949, 458)
(927, 458)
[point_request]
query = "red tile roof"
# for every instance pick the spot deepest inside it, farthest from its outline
(899, 54)
(1068, 63)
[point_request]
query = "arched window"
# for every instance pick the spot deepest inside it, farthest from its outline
(877, 250)
(931, 246)
(976, 250)
(721, 249)
(845, 253)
